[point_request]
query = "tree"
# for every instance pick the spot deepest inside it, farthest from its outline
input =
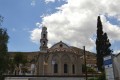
(102, 45)
(11, 66)
(106, 45)
(3, 49)
(89, 69)
(20, 58)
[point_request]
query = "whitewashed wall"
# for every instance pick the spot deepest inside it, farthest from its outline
(116, 63)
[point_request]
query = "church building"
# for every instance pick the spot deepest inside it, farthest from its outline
(60, 59)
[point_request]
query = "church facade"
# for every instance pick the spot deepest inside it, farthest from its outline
(60, 59)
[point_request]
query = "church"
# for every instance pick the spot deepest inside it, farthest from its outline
(60, 59)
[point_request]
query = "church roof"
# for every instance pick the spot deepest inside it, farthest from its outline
(60, 46)
(63, 47)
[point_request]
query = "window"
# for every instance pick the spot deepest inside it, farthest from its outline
(65, 68)
(73, 69)
(61, 45)
(44, 36)
(43, 43)
(55, 68)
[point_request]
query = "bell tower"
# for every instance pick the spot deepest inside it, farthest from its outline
(43, 40)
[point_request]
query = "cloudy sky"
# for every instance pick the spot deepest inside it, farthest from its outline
(71, 21)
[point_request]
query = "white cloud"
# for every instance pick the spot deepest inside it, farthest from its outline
(116, 51)
(33, 3)
(113, 31)
(36, 34)
(38, 24)
(76, 22)
(47, 1)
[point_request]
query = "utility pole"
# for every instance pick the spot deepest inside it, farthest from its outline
(43, 63)
(85, 63)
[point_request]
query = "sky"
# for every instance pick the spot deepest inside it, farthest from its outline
(72, 21)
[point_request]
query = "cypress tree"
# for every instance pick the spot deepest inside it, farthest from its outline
(106, 45)
(102, 45)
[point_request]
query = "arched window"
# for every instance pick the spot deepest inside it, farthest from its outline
(73, 69)
(44, 35)
(43, 43)
(55, 68)
(65, 68)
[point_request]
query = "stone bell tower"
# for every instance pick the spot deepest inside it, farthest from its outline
(43, 40)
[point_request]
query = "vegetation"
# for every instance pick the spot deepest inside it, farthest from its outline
(4, 58)
(20, 58)
(89, 69)
(102, 45)
(11, 66)
(102, 77)
(92, 71)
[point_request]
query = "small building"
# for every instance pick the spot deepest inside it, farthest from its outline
(116, 67)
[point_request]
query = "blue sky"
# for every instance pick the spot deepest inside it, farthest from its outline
(20, 17)
(65, 20)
